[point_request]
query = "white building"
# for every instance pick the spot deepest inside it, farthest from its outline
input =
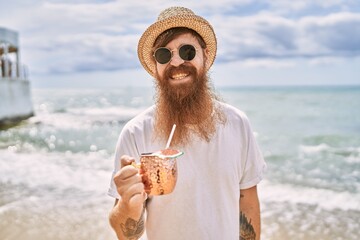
(15, 96)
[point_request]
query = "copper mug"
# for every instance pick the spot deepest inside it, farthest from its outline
(159, 171)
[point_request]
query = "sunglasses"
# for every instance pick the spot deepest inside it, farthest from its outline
(163, 55)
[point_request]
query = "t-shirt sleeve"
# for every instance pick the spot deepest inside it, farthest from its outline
(253, 165)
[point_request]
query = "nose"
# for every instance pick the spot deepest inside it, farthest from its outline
(176, 60)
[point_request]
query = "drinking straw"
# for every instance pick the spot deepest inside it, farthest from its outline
(170, 137)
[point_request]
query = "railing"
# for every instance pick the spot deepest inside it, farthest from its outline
(13, 70)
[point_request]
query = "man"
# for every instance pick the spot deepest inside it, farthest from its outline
(221, 165)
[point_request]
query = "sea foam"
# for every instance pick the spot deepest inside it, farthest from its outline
(323, 198)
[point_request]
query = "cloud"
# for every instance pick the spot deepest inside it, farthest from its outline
(333, 35)
(85, 52)
(254, 37)
(267, 63)
(271, 36)
(63, 36)
(326, 61)
(311, 7)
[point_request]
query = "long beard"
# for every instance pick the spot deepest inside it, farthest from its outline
(190, 106)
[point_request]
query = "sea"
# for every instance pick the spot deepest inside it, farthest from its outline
(55, 167)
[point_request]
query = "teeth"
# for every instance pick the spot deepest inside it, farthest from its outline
(179, 76)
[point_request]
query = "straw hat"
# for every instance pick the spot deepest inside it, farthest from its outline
(170, 18)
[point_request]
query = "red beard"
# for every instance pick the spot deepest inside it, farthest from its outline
(190, 106)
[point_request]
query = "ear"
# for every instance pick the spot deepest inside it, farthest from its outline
(206, 57)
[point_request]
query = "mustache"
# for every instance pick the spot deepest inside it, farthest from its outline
(183, 68)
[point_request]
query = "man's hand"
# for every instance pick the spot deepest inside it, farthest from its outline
(127, 215)
(129, 185)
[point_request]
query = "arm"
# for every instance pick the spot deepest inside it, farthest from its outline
(249, 214)
(127, 215)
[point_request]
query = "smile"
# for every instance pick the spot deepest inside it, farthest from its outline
(179, 76)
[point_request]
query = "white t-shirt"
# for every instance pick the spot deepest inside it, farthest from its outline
(205, 201)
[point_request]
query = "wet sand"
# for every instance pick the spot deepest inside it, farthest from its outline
(34, 218)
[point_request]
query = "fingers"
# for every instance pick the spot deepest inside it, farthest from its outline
(129, 182)
(136, 190)
(126, 160)
(125, 178)
(138, 199)
(126, 172)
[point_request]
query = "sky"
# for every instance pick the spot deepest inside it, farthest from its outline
(93, 43)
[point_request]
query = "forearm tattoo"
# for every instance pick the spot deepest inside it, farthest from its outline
(247, 231)
(133, 229)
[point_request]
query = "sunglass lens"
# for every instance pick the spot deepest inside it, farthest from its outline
(187, 52)
(162, 55)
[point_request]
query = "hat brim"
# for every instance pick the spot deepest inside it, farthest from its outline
(196, 23)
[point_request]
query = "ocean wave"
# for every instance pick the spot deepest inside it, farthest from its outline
(76, 173)
(319, 166)
(114, 112)
(323, 198)
(56, 172)
(81, 118)
(314, 149)
(349, 153)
